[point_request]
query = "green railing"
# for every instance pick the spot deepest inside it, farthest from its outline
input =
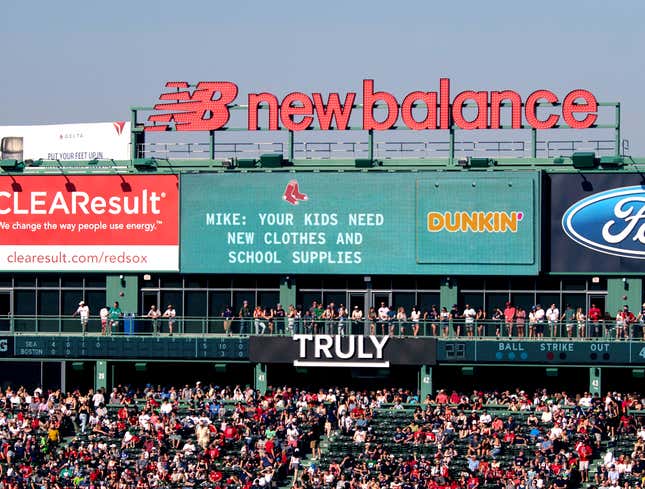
(138, 325)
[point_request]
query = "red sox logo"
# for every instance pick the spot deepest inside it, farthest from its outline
(292, 193)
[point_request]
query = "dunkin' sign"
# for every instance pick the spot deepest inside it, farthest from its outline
(205, 107)
(81, 222)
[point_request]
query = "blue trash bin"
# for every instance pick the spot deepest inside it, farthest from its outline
(128, 323)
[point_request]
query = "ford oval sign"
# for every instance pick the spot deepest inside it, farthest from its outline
(611, 222)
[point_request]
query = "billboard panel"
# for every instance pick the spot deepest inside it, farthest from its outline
(596, 223)
(77, 222)
(100, 140)
(360, 223)
(306, 350)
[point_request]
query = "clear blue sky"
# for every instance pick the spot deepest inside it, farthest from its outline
(86, 61)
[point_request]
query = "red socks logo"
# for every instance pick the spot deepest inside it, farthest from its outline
(292, 194)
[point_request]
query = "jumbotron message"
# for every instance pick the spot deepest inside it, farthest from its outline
(317, 245)
(340, 223)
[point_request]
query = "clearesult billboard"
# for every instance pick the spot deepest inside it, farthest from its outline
(597, 223)
(80, 222)
(360, 223)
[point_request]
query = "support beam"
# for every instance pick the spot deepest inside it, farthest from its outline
(425, 382)
(260, 377)
(100, 375)
(595, 381)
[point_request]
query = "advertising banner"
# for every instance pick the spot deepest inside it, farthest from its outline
(66, 142)
(80, 222)
(360, 223)
(597, 223)
(306, 350)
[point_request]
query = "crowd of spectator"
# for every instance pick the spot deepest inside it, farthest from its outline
(211, 436)
(508, 320)
(541, 441)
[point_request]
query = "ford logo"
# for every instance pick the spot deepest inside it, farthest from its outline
(611, 222)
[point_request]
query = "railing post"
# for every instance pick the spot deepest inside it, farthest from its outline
(370, 144)
(211, 144)
(534, 143)
(290, 145)
(617, 149)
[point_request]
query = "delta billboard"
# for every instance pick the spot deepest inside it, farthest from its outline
(360, 223)
(597, 223)
(69, 142)
(81, 222)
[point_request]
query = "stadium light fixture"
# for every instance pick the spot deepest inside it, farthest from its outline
(145, 164)
(584, 160)
(12, 165)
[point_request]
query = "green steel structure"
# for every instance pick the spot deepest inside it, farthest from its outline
(399, 217)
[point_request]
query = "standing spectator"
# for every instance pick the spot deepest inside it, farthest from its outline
(228, 320)
(104, 313)
(357, 319)
(401, 318)
(532, 322)
(553, 318)
(258, 320)
(539, 321)
(171, 315)
(154, 314)
(444, 321)
(415, 315)
(595, 314)
(582, 323)
(245, 317)
(469, 320)
(342, 319)
(569, 318)
(509, 318)
(383, 317)
(628, 319)
(520, 321)
(115, 314)
(480, 322)
(292, 315)
(455, 317)
(279, 315)
(84, 312)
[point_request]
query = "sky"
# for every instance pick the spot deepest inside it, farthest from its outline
(85, 61)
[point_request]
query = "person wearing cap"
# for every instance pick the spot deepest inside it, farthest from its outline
(84, 312)
(171, 315)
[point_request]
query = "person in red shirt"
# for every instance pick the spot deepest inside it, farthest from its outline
(509, 318)
(594, 315)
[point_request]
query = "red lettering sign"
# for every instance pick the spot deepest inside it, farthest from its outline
(207, 108)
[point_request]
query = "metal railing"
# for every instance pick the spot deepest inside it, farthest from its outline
(608, 329)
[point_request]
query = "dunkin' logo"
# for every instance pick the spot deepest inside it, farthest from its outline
(610, 222)
(477, 222)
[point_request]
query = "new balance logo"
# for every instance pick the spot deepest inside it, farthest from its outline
(205, 109)
(292, 193)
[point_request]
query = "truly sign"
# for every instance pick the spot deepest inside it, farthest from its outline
(206, 108)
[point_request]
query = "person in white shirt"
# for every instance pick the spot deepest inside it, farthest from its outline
(539, 321)
(383, 317)
(553, 318)
(84, 312)
(469, 319)
(170, 314)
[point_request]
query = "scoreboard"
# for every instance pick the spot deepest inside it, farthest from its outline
(541, 352)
